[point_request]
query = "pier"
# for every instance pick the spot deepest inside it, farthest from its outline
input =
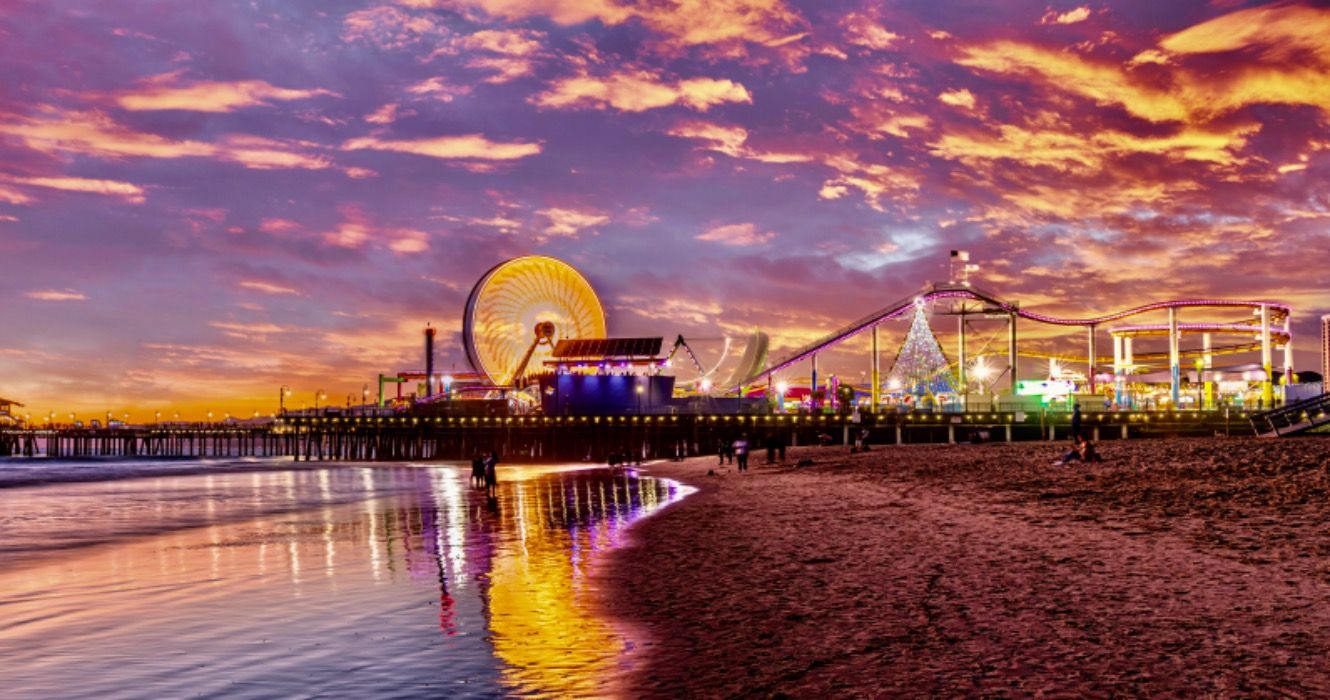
(592, 438)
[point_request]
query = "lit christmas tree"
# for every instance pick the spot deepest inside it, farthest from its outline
(920, 367)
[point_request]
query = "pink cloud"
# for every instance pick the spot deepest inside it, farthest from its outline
(56, 295)
(741, 234)
(1079, 14)
(570, 223)
(267, 287)
(114, 188)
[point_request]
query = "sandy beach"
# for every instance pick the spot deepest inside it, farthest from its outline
(1184, 568)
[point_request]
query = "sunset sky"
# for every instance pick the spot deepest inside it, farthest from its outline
(200, 202)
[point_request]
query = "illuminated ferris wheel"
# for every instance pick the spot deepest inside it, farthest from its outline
(520, 309)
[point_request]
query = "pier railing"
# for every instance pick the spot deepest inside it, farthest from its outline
(1294, 418)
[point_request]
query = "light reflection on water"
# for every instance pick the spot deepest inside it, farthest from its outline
(348, 581)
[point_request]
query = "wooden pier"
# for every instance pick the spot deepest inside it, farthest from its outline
(579, 438)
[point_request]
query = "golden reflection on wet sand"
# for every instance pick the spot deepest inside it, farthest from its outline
(346, 581)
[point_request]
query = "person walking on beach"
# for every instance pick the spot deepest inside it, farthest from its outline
(741, 452)
(1075, 421)
(492, 475)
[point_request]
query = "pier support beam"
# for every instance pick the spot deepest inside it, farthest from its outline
(1174, 371)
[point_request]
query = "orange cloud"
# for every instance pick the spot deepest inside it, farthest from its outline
(269, 154)
(638, 91)
(386, 114)
(127, 191)
(681, 22)
(1278, 30)
(1104, 83)
(163, 92)
(502, 68)
(742, 234)
(1289, 65)
(56, 295)
(958, 98)
(438, 89)
(1052, 145)
(508, 42)
(463, 147)
(732, 141)
(388, 27)
(862, 30)
(874, 180)
(94, 134)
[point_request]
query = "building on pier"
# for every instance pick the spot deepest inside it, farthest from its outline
(7, 414)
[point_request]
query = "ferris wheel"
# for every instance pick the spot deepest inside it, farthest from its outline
(520, 309)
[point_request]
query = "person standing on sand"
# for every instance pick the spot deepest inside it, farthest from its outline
(477, 471)
(741, 452)
(492, 475)
(1075, 421)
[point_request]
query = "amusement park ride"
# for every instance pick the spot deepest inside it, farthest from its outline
(535, 336)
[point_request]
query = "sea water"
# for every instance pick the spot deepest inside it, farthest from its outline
(266, 578)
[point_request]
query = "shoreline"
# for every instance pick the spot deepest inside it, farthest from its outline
(1177, 567)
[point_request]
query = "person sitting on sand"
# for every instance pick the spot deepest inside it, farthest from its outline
(1082, 450)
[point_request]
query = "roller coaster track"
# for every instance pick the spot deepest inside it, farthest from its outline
(1278, 313)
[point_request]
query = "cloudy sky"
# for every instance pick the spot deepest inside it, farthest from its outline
(200, 202)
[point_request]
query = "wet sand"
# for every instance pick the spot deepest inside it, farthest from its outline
(1178, 568)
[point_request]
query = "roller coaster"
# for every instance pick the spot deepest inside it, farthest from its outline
(1269, 326)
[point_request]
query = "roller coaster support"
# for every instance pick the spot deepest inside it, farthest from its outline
(1091, 358)
(1174, 371)
(960, 356)
(1117, 370)
(875, 391)
(1267, 362)
(812, 386)
(1207, 362)
(1011, 351)
(1288, 351)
